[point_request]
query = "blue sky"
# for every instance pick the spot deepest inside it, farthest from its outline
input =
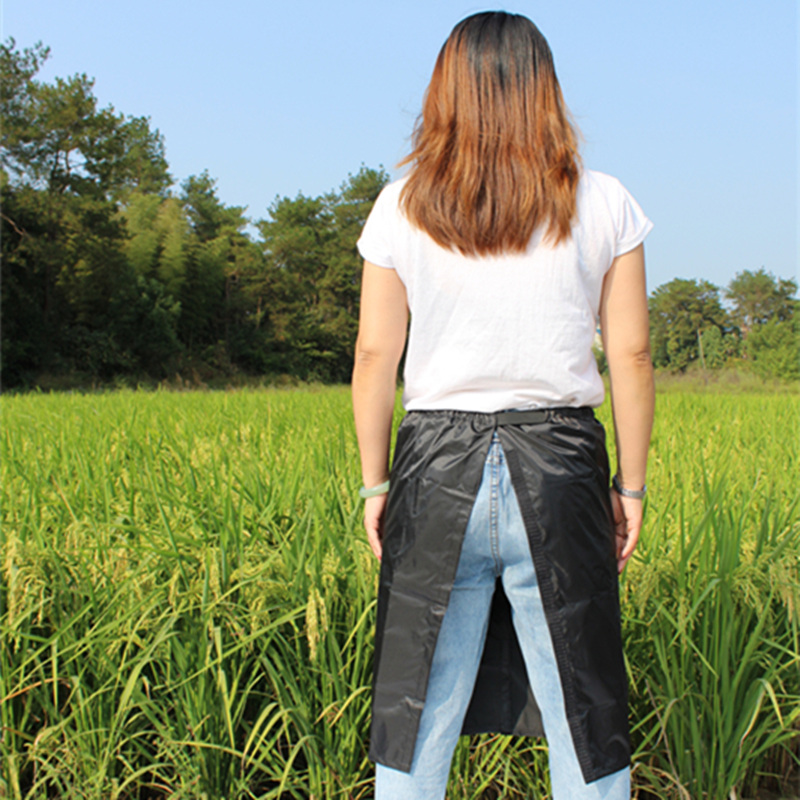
(693, 105)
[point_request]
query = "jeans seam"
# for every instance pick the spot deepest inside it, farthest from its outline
(497, 457)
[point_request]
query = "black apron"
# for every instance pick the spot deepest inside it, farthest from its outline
(559, 469)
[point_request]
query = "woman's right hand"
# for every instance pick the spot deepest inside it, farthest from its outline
(627, 525)
(374, 512)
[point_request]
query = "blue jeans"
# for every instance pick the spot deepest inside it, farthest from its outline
(495, 545)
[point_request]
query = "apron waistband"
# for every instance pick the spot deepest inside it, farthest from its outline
(536, 415)
(499, 419)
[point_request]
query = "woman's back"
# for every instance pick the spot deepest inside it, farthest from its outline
(512, 330)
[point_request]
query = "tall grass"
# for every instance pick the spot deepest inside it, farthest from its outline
(187, 603)
(711, 600)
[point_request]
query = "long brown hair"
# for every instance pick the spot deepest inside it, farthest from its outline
(494, 154)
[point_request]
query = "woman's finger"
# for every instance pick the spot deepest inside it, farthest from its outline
(375, 544)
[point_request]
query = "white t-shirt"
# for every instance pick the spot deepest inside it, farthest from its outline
(490, 333)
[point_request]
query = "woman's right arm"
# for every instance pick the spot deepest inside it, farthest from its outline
(626, 344)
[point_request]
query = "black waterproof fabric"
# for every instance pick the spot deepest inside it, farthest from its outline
(559, 468)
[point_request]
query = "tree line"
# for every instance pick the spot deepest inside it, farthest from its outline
(108, 271)
(689, 324)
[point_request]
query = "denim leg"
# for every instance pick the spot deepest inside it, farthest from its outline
(522, 590)
(457, 655)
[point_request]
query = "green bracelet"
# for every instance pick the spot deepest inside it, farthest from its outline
(381, 488)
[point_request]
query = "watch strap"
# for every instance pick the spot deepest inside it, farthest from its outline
(636, 494)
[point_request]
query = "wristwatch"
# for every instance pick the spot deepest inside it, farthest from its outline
(636, 494)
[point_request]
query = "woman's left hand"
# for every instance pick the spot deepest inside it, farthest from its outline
(374, 510)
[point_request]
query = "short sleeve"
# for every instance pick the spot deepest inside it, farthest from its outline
(631, 223)
(375, 242)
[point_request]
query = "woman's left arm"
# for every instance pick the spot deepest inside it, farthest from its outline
(382, 325)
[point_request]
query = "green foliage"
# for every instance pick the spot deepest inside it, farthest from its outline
(774, 348)
(759, 297)
(711, 597)
(766, 312)
(146, 320)
(187, 601)
(711, 348)
(94, 245)
(208, 217)
(158, 239)
(680, 311)
(17, 70)
(688, 324)
(66, 164)
(55, 138)
(717, 349)
(724, 661)
(313, 276)
(219, 254)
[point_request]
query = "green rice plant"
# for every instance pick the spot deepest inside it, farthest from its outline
(716, 632)
(187, 601)
(216, 711)
(490, 767)
(86, 678)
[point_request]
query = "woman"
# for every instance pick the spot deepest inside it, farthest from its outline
(499, 538)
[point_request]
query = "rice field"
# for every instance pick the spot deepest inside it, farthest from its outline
(187, 602)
